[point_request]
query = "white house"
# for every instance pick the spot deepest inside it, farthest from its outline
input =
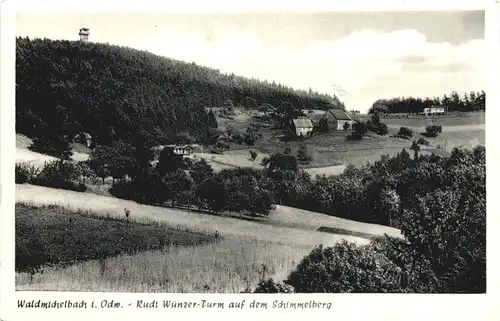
(434, 110)
(303, 126)
(182, 149)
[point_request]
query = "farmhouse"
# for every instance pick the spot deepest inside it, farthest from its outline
(336, 118)
(183, 150)
(434, 110)
(303, 126)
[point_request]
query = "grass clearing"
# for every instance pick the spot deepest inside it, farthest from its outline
(54, 235)
(233, 158)
(290, 216)
(476, 118)
(229, 266)
(332, 149)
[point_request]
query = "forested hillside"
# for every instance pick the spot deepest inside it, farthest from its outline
(117, 93)
(473, 101)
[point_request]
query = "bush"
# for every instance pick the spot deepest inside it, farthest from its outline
(60, 174)
(360, 128)
(265, 161)
(303, 155)
(237, 138)
(423, 141)
(377, 127)
(354, 136)
(26, 173)
(343, 268)
(405, 132)
(253, 155)
(374, 125)
(433, 130)
(270, 286)
(57, 147)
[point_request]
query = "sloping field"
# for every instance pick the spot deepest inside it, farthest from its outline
(24, 155)
(225, 267)
(446, 129)
(306, 219)
(241, 158)
(33, 158)
(233, 158)
(114, 207)
(445, 121)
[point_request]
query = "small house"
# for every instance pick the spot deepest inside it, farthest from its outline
(336, 118)
(183, 150)
(341, 118)
(302, 126)
(434, 110)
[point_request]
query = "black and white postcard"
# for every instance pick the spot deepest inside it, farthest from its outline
(266, 162)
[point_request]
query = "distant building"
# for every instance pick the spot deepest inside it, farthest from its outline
(182, 150)
(434, 110)
(84, 34)
(336, 118)
(302, 126)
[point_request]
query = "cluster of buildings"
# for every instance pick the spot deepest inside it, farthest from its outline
(336, 120)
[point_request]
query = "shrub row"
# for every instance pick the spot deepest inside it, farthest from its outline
(56, 174)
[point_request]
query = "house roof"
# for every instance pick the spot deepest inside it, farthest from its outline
(302, 123)
(339, 114)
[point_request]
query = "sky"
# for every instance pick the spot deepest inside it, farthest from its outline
(360, 56)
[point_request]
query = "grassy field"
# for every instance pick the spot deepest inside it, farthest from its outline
(247, 252)
(229, 266)
(334, 149)
(186, 262)
(232, 158)
(476, 118)
(54, 235)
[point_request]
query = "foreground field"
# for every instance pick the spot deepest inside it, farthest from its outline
(53, 235)
(229, 266)
(185, 262)
(248, 252)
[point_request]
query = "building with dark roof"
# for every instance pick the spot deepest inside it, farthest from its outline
(302, 126)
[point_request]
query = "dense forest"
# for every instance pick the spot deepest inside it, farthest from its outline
(122, 94)
(473, 101)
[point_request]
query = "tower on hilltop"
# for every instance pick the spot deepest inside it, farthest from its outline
(84, 34)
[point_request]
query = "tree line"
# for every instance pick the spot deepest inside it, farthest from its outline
(472, 101)
(121, 94)
(439, 204)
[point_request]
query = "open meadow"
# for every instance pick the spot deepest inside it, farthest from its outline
(185, 261)
(95, 253)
